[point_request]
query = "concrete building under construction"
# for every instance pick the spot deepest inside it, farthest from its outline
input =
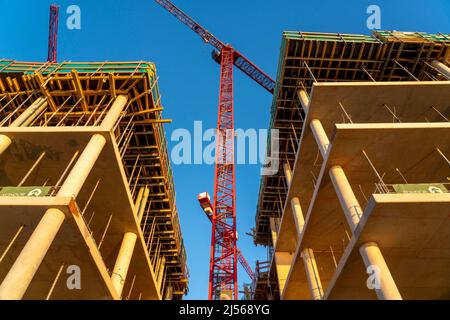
(360, 206)
(86, 184)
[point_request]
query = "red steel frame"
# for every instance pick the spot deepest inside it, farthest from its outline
(205, 203)
(223, 264)
(245, 265)
(53, 33)
(224, 253)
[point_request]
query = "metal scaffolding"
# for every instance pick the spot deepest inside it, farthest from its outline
(307, 58)
(73, 94)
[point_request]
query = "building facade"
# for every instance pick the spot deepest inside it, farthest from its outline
(360, 206)
(87, 201)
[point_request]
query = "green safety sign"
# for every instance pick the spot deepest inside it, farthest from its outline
(25, 191)
(420, 188)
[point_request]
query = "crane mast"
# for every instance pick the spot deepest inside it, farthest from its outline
(223, 264)
(224, 254)
(205, 202)
(53, 33)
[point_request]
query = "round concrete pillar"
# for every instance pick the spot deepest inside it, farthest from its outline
(287, 174)
(304, 99)
(384, 283)
(123, 261)
(298, 215)
(442, 68)
(349, 203)
(114, 112)
(30, 258)
(79, 173)
(312, 274)
(320, 135)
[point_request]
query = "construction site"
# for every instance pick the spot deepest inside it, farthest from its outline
(357, 210)
(86, 181)
(364, 175)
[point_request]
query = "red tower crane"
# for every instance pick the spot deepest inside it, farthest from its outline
(224, 252)
(53, 33)
(208, 208)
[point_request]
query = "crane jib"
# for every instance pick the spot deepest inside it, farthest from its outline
(256, 74)
(242, 63)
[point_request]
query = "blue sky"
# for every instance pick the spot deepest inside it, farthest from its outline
(117, 30)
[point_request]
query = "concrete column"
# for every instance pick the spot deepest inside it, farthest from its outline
(298, 215)
(273, 231)
(114, 112)
(312, 274)
(283, 262)
(169, 293)
(138, 200)
(287, 174)
(30, 113)
(304, 99)
(160, 273)
(142, 203)
(27, 263)
(442, 68)
(79, 173)
(320, 136)
(372, 257)
(34, 114)
(5, 142)
(349, 203)
(23, 120)
(123, 262)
